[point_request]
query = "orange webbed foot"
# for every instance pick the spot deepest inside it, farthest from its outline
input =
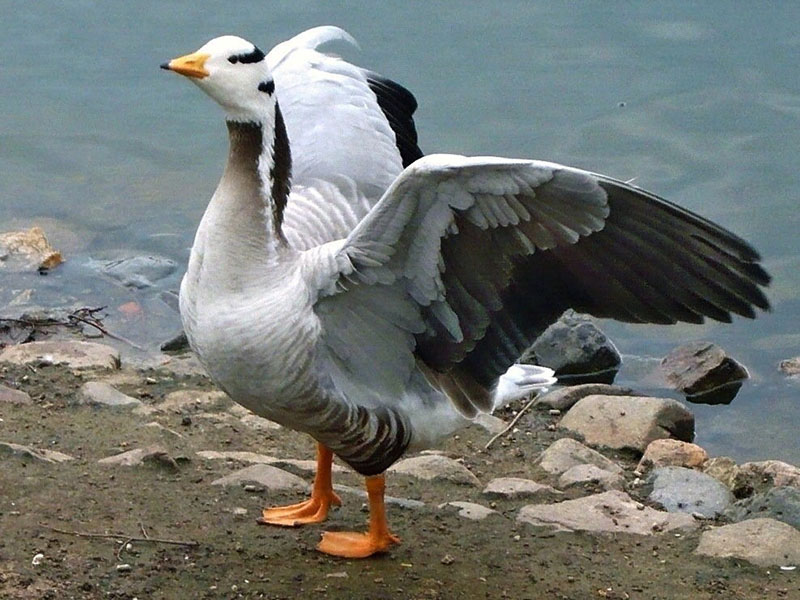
(313, 510)
(349, 544)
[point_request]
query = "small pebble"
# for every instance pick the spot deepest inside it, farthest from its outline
(554, 411)
(551, 427)
(123, 568)
(37, 559)
(252, 488)
(447, 560)
(186, 420)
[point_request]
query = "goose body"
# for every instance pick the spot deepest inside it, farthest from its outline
(345, 286)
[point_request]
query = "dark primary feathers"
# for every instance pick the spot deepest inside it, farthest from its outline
(494, 250)
(398, 105)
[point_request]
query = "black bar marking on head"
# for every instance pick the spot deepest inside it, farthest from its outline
(268, 87)
(251, 57)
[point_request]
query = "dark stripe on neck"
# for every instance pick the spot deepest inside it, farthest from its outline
(281, 171)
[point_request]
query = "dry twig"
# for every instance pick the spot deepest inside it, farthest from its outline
(513, 422)
(123, 536)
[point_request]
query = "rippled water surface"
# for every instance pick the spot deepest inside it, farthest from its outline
(697, 101)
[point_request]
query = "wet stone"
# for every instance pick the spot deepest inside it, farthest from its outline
(136, 271)
(629, 422)
(683, 490)
(576, 349)
(27, 251)
(699, 368)
(435, 467)
(763, 542)
(516, 487)
(138, 456)
(612, 512)
(790, 366)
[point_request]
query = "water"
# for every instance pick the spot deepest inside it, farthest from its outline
(699, 102)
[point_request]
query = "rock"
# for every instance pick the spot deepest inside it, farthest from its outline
(683, 490)
(133, 458)
(763, 542)
(98, 393)
(576, 350)
(26, 453)
(9, 395)
(177, 343)
(136, 271)
(580, 475)
(435, 467)
(630, 422)
(699, 369)
(22, 251)
(166, 430)
(780, 503)
(470, 510)
(565, 453)
(271, 478)
(76, 355)
(259, 423)
(774, 472)
(490, 423)
(401, 502)
(724, 469)
(516, 487)
(672, 453)
(613, 512)
(564, 398)
(249, 457)
(790, 366)
(183, 400)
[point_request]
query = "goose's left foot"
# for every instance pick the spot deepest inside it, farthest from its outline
(360, 545)
(313, 510)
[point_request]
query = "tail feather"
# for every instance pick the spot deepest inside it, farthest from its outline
(521, 380)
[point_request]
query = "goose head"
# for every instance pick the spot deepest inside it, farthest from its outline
(234, 73)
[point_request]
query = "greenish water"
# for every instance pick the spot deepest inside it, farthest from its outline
(700, 102)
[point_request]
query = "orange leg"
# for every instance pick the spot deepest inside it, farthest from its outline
(313, 510)
(376, 539)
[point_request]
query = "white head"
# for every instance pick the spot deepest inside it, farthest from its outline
(234, 73)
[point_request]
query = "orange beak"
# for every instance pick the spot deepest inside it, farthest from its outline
(191, 65)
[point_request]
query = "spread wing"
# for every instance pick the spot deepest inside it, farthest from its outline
(490, 251)
(351, 133)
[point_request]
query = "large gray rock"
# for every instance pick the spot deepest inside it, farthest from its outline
(576, 349)
(9, 395)
(76, 355)
(566, 453)
(612, 512)
(98, 393)
(764, 542)
(683, 490)
(630, 422)
(566, 397)
(516, 487)
(271, 478)
(780, 503)
(700, 368)
(770, 472)
(435, 467)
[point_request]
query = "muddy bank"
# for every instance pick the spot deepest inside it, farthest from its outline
(45, 504)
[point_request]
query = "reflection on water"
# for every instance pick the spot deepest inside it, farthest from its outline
(695, 101)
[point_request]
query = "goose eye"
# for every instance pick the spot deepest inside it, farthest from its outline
(233, 59)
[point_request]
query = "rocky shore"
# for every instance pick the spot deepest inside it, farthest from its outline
(118, 482)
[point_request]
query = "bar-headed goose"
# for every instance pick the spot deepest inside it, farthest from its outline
(378, 308)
